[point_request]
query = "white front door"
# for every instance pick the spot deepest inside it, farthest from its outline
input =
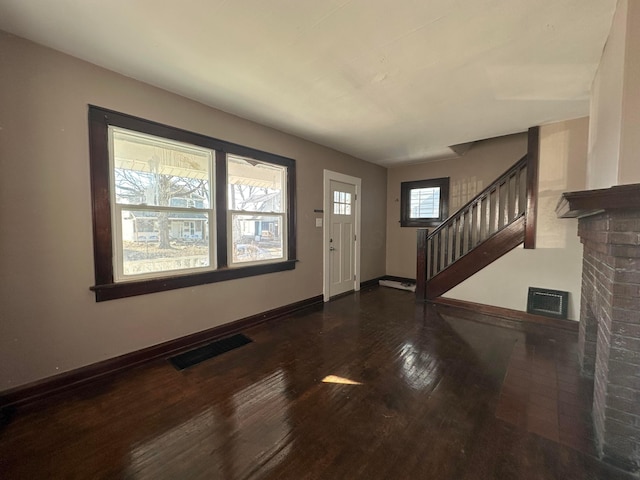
(342, 237)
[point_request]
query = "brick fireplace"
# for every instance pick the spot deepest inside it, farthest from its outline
(609, 338)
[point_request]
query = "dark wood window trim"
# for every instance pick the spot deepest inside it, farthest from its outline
(105, 288)
(405, 199)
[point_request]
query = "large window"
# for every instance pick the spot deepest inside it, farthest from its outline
(424, 203)
(162, 212)
(256, 213)
(173, 208)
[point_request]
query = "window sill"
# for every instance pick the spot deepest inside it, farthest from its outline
(113, 291)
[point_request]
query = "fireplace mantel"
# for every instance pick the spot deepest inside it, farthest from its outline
(591, 202)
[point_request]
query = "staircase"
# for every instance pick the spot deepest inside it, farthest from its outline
(497, 220)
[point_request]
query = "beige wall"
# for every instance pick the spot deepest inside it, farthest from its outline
(469, 175)
(49, 320)
(614, 142)
(629, 171)
(606, 109)
(556, 262)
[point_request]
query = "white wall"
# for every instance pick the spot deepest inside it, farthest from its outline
(614, 143)
(606, 109)
(556, 263)
(49, 320)
(629, 169)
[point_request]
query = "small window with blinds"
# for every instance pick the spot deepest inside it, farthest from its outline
(424, 203)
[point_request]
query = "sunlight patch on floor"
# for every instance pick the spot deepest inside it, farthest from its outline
(340, 380)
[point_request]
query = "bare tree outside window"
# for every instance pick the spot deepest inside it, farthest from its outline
(151, 173)
(155, 188)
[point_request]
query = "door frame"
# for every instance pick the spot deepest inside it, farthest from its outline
(326, 264)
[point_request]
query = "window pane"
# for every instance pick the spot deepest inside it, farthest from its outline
(255, 186)
(425, 203)
(341, 203)
(256, 237)
(154, 171)
(144, 231)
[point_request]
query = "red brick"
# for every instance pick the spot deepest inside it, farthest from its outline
(624, 368)
(627, 303)
(611, 294)
(624, 238)
(626, 289)
(622, 429)
(625, 356)
(625, 225)
(623, 393)
(628, 264)
(623, 342)
(623, 214)
(627, 406)
(621, 451)
(631, 330)
(630, 251)
(627, 316)
(627, 276)
(623, 417)
(624, 375)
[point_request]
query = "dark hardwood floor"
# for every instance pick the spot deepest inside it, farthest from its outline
(426, 395)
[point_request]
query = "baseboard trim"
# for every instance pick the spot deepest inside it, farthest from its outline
(47, 387)
(370, 283)
(506, 317)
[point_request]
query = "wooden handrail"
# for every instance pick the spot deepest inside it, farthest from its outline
(483, 193)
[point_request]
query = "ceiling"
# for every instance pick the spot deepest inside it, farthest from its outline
(387, 81)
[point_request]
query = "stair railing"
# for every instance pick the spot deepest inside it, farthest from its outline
(493, 209)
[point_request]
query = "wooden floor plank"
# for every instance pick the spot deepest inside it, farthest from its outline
(412, 394)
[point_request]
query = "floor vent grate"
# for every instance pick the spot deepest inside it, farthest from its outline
(551, 303)
(198, 355)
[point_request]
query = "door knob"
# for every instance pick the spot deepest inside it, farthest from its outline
(331, 249)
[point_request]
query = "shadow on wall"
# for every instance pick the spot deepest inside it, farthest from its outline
(562, 169)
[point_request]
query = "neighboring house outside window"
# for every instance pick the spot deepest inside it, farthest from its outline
(424, 203)
(256, 210)
(158, 183)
